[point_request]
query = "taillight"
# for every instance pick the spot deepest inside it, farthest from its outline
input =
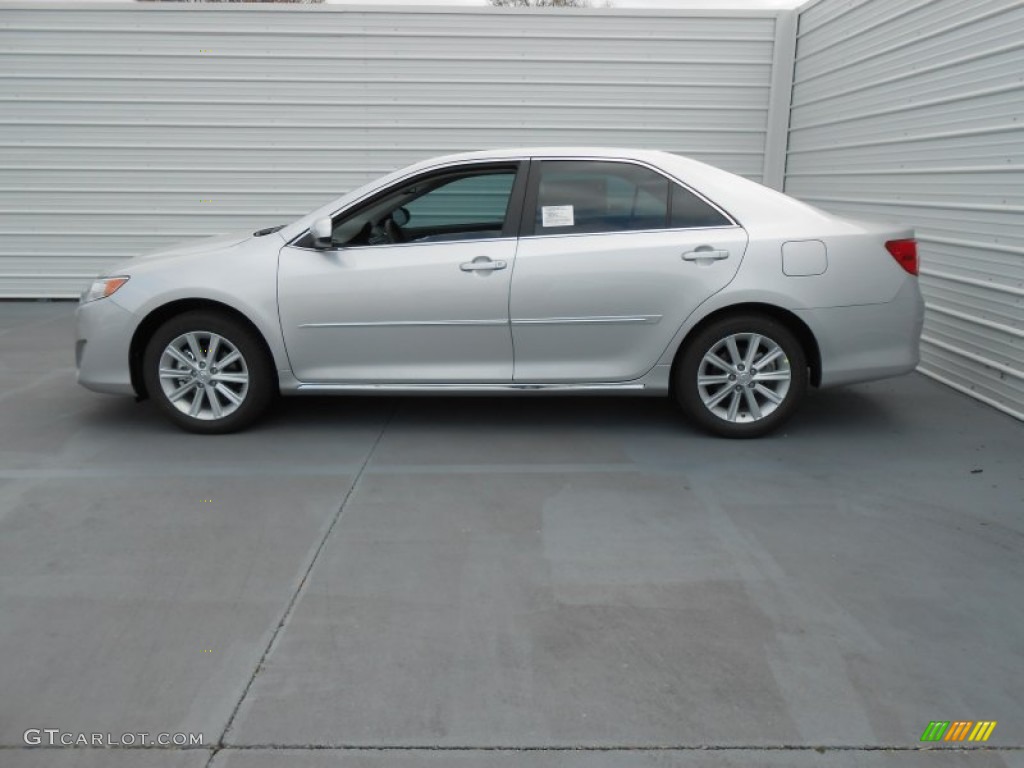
(905, 253)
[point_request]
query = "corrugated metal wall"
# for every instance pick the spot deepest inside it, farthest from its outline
(127, 127)
(914, 111)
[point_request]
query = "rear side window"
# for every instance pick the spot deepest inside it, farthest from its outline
(580, 197)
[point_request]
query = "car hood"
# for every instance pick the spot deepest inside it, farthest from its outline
(194, 247)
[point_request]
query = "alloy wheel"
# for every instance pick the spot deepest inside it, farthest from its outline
(204, 375)
(744, 377)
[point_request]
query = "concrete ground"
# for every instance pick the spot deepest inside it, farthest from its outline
(421, 583)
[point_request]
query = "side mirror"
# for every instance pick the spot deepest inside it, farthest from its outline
(321, 232)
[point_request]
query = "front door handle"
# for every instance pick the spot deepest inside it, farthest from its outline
(482, 264)
(705, 253)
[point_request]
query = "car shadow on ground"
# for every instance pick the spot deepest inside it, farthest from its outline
(845, 409)
(850, 409)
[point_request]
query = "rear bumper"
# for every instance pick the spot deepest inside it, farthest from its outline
(868, 342)
(103, 339)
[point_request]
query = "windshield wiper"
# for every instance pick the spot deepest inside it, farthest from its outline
(267, 231)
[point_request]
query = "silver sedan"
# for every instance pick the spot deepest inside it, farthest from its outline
(568, 270)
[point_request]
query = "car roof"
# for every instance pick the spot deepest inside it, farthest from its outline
(746, 201)
(653, 156)
(559, 151)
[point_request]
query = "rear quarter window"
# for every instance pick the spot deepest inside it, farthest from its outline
(690, 212)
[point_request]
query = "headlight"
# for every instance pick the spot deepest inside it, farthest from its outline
(103, 287)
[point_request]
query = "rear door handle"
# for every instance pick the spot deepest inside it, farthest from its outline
(705, 254)
(482, 264)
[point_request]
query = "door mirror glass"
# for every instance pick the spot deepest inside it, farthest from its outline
(321, 233)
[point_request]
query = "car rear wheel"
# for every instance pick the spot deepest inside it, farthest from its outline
(741, 376)
(208, 372)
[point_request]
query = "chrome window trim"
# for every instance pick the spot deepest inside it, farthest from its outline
(633, 232)
(395, 245)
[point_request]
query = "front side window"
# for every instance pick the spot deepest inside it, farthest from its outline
(579, 197)
(462, 204)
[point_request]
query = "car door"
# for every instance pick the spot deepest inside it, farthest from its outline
(614, 256)
(414, 287)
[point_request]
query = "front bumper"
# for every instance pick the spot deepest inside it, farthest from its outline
(103, 341)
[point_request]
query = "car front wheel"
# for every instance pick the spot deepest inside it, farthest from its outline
(208, 372)
(741, 376)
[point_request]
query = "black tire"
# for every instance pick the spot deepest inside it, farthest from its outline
(709, 403)
(217, 390)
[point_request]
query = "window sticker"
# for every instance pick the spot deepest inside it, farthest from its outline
(557, 216)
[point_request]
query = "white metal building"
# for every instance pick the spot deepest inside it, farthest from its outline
(126, 127)
(914, 111)
(141, 125)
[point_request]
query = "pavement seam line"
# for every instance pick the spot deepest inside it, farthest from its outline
(293, 601)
